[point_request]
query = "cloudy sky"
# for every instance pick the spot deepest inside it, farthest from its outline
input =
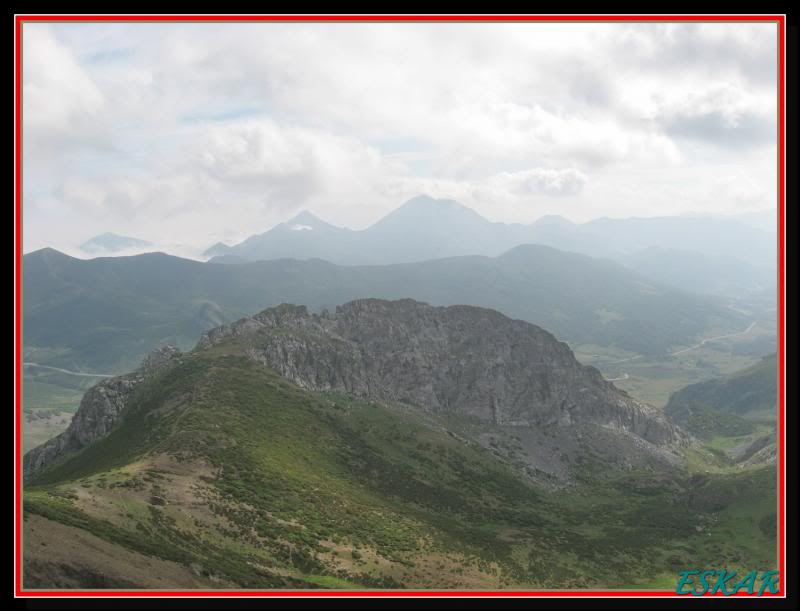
(187, 134)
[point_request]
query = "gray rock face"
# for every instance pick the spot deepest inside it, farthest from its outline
(98, 413)
(459, 360)
(762, 451)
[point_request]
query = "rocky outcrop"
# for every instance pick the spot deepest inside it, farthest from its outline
(763, 450)
(98, 413)
(767, 455)
(459, 360)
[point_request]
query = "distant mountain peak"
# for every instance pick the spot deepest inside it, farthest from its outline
(111, 242)
(217, 250)
(424, 209)
(305, 221)
(422, 198)
(552, 219)
(424, 201)
(47, 253)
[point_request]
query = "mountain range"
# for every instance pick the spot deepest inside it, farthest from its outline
(105, 314)
(692, 253)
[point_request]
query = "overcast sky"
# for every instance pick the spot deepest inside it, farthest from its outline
(194, 133)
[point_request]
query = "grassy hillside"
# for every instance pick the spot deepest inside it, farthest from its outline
(222, 470)
(105, 314)
(752, 392)
(734, 415)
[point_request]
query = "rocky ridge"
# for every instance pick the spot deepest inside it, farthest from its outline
(465, 361)
(98, 413)
(474, 364)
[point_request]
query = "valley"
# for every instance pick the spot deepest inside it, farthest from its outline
(230, 475)
(50, 398)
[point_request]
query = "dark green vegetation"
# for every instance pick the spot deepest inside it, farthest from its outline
(735, 415)
(705, 422)
(220, 464)
(105, 314)
(750, 393)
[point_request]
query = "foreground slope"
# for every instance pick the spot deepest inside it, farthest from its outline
(369, 470)
(106, 314)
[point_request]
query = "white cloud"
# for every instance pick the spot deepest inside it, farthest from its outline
(724, 113)
(61, 102)
(542, 181)
(218, 131)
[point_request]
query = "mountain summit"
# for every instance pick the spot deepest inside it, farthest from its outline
(423, 209)
(305, 221)
(111, 243)
(462, 361)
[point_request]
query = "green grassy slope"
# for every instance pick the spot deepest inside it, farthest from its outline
(220, 464)
(751, 392)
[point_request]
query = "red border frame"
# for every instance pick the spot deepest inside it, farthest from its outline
(780, 20)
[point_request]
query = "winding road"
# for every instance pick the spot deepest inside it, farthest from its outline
(75, 373)
(711, 339)
(625, 375)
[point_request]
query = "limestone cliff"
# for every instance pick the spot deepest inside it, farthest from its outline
(99, 411)
(460, 360)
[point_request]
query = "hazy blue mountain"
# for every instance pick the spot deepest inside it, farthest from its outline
(422, 228)
(228, 260)
(217, 250)
(425, 228)
(109, 243)
(702, 273)
(766, 220)
(105, 313)
(618, 238)
(303, 237)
